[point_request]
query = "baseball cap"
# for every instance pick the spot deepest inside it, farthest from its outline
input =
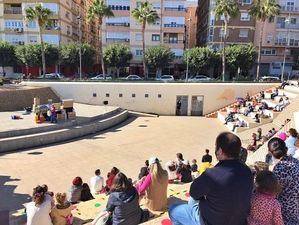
(152, 160)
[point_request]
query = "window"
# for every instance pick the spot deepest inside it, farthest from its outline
(138, 4)
(13, 24)
(293, 21)
(243, 33)
(155, 37)
(32, 24)
(268, 52)
(221, 32)
(133, 95)
(120, 95)
(247, 2)
(139, 52)
(146, 95)
(138, 37)
(107, 95)
(245, 16)
(32, 39)
(157, 22)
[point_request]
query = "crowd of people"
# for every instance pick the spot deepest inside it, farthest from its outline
(254, 107)
(229, 191)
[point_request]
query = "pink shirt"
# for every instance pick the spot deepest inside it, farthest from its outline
(144, 184)
(265, 210)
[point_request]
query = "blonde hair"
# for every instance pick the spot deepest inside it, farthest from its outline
(158, 173)
(60, 198)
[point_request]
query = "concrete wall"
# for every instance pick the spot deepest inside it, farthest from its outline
(215, 95)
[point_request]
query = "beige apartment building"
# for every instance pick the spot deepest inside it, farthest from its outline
(280, 40)
(169, 29)
(65, 29)
(241, 30)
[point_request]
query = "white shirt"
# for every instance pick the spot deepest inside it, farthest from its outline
(39, 215)
(290, 143)
(296, 155)
(96, 184)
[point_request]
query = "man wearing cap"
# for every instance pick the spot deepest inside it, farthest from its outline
(221, 195)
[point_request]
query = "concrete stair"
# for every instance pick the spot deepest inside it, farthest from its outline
(69, 131)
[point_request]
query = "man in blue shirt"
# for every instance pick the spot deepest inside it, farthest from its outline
(221, 195)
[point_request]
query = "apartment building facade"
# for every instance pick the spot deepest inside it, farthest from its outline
(241, 30)
(280, 40)
(168, 30)
(65, 27)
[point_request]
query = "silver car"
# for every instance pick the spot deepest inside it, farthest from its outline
(199, 78)
(133, 77)
(101, 77)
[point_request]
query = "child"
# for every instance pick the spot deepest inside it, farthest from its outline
(85, 193)
(61, 213)
(171, 170)
(194, 169)
(185, 172)
(265, 208)
(110, 178)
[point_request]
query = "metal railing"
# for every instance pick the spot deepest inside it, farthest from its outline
(287, 26)
(13, 10)
(289, 8)
(169, 41)
(117, 40)
(118, 24)
(174, 25)
(175, 9)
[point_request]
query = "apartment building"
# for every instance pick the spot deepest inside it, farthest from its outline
(280, 40)
(241, 30)
(168, 30)
(65, 27)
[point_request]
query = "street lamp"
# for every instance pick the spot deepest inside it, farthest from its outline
(287, 21)
(188, 47)
(80, 49)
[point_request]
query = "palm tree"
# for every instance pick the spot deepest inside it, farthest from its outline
(42, 15)
(263, 10)
(226, 9)
(100, 10)
(144, 14)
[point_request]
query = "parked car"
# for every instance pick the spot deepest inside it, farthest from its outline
(133, 77)
(54, 76)
(166, 78)
(199, 78)
(101, 77)
(269, 79)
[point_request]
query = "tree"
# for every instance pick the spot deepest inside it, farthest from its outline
(117, 56)
(7, 55)
(240, 56)
(158, 57)
(200, 58)
(69, 55)
(30, 55)
(42, 15)
(144, 14)
(263, 10)
(225, 9)
(99, 10)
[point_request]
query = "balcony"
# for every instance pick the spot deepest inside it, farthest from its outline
(287, 26)
(118, 24)
(174, 25)
(117, 40)
(173, 41)
(13, 10)
(174, 9)
(19, 30)
(288, 8)
(283, 42)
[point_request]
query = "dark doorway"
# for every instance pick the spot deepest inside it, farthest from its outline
(181, 106)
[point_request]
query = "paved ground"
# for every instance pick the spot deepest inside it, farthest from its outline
(125, 146)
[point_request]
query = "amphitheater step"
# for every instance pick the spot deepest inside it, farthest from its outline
(56, 136)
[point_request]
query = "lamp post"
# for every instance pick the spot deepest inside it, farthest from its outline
(80, 49)
(287, 21)
(188, 47)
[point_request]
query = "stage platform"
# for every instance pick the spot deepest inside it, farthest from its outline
(25, 133)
